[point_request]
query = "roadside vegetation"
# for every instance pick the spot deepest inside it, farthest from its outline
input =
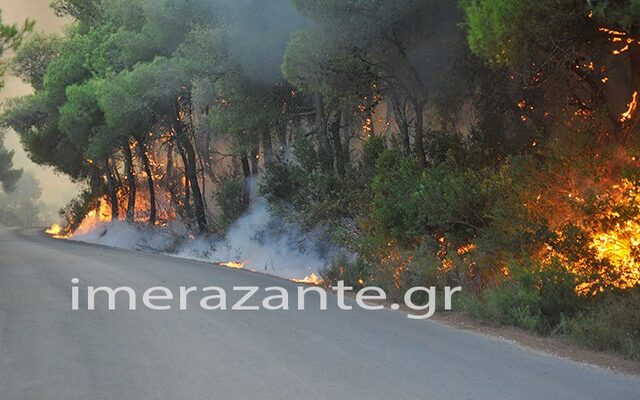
(488, 144)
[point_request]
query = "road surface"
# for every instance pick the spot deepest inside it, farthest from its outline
(48, 351)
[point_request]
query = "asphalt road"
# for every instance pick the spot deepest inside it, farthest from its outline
(48, 351)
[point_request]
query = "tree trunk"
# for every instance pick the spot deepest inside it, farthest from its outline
(169, 178)
(337, 144)
(111, 188)
(322, 133)
(142, 151)
(267, 146)
(281, 133)
(319, 109)
(131, 181)
(191, 176)
(255, 157)
(403, 125)
(203, 177)
(419, 128)
(246, 184)
(346, 128)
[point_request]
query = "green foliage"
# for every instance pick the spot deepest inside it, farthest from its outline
(612, 324)
(395, 205)
(353, 273)
(10, 39)
(316, 62)
(81, 114)
(231, 201)
(8, 175)
(79, 9)
(134, 99)
(313, 191)
(515, 33)
(447, 198)
(32, 119)
(533, 297)
(33, 57)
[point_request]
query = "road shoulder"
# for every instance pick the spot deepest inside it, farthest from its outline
(552, 345)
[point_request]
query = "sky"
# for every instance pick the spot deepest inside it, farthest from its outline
(57, 189)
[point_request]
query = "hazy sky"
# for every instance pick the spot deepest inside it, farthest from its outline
(57, 189)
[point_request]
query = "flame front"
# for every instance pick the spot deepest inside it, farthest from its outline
(57, 232)
(312, 279)
(232, 264)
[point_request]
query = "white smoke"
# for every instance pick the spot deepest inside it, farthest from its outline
(261, 241)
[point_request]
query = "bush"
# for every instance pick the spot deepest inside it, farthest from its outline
(231, 201)
(309, 191)
(533, 297)
(353, 273)
(612, 323)
(395, 209)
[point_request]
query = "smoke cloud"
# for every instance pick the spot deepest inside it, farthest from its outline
(259, 240)
(258, 34)
(57, 189)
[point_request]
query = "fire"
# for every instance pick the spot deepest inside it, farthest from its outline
(312, 279)
(104, 211)
(466, 249)
(613, 239)
(631, 108)
(232, 264)
(617, 247)
(55, 229)
(57, 232)
(612, 32)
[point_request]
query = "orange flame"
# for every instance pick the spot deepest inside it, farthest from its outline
(232, 264)
(312, 279)
(57, 232)
(631, 108)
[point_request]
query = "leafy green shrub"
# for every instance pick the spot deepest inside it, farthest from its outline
(282, 184)
(395, 208)
(507, 304)
(308, 190)
(613, 323)
(231, 201)
(534, 297)
(353, 273)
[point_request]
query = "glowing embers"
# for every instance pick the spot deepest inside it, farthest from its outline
(619, 37)
(631, 108)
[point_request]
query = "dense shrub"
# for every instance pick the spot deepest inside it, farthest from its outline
(308, 190)
(611, 323)
(231, 201)
(533, 297)
(353, 273)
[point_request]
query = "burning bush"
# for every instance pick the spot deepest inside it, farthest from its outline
(602, 246)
